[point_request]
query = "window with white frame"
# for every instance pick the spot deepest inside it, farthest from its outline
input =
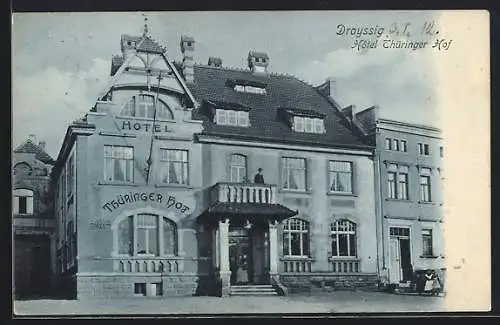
(423, 149)
(343, 235)
(403, 146)
(231, 117)
(397, 182)
(340, 173)
(144, 106)
(395, 144)
(296, 238)
(308, 124)
(174, 166)
(118, 163)
(294, 173)
(22, 201)
(147, 234)
(238, 168)
(425, 184)
(250, 89)
(427, 249)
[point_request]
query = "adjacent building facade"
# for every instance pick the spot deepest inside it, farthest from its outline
(157, 192)
(33, 221)
(409, 193)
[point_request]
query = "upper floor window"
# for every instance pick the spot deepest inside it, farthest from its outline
(340, 173)
(441, 152)
(147, 234)
(423, 149)
(250, 89)
(343, 235)
(231, 117)
(397, 182)
(144, 106)
(238, 168)
(425, 184)
(395, 145)
(23, 201)
(118, 163)
(296, 238)
(174, 166)
(70, 175)
(308, 124)
(294, 173)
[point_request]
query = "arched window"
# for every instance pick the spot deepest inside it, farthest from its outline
(238, 168)
(22, 201)
(144, 106)
(296, 238)
(343, 234)
(147, 234)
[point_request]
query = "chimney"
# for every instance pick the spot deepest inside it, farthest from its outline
(215, 62)
(32, 138)
(187, 49)
(328, 88)
(258, 62)
(42, 144)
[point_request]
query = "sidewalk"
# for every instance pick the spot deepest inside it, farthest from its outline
(332, 302)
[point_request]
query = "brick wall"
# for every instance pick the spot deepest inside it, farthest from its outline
(122, 286)
(308, 282)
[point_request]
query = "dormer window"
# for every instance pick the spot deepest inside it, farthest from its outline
(231, 117)
(250, 89)
(308, 124)
(144, 106)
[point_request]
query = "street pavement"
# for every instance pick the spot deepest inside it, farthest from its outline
(331, 303)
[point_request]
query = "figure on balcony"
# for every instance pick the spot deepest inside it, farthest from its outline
(259, 177)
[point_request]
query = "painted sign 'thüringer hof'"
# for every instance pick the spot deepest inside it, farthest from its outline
(200, 179)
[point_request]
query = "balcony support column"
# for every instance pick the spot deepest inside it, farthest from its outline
(224, 271)
(273, 248)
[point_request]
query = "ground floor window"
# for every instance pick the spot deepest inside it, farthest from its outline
(147, 234)
(343, 238)
(296, 238)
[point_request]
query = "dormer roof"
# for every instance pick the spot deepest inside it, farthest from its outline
(29, 147)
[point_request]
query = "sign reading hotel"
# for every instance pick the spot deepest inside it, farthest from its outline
(170, 202)
(143, 126)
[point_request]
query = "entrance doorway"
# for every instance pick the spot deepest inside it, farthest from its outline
(401, 269)
(240, 256)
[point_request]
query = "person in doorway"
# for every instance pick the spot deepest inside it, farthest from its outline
(242, 272)
(429, 281)
(259, 177)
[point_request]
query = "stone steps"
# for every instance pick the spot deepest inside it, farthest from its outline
(253, 290)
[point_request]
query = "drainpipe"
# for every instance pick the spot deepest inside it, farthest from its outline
(379, 205)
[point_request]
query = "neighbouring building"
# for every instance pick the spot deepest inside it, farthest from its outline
(409, 190)
(157, 192)
(33, 221)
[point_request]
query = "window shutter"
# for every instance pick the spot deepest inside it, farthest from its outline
(354, 177)
(29, 205)
(280, 171)
(310, 164)
(15, 205)
(227, 177)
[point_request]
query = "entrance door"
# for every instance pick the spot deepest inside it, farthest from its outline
(240, 256)
(400, 255)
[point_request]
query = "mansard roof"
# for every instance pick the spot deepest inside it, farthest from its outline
(282, 91)
(29, 147)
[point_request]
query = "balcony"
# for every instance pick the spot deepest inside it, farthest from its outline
(243, 193)
(293, 265)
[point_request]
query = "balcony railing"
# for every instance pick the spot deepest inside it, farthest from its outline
(345, 265)
(244, 193)
(296, 265)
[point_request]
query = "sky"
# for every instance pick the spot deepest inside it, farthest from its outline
(61, 61)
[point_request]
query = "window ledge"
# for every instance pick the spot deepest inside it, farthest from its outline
(398, 200)
(343, 258)
(289, 191)
(179, 186)
(117, 183)
(429, 203)
(330, 193)
(296, 258)
(429, 256)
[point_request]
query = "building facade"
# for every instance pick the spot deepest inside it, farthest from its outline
(33, 221)
(188, 178)
(409, 196)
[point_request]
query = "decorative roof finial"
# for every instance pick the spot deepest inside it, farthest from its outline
(145, 25)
